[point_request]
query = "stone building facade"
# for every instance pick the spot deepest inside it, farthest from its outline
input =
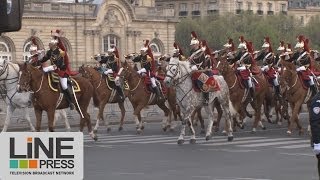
(90, 29)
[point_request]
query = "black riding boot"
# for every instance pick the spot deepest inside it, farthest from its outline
(159, 93)
(313, 89)
(68, 98)
(205, 98)
(277, 91)
(120, 93)
(251, 93)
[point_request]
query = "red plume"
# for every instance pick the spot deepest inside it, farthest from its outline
(289, 46)
(241, 39)
(146, 43)
(282, 43)
(230, 41)
(194, 35)
(306, 45)
(204, 43)
(249, 46)
(300, 38)
(33, 41)
(267, 39)
(175, 45)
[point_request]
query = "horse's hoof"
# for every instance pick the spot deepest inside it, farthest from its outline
(202, 132)
(208, 138)
(120, 128)
(192, 141)
(264, 128)
(95, 138)
(180, 141)
(253, 131)
(230, 138)
(224, 132)
(289, 133)
(142, 127)
(164, 129)
(95, 131)
(139, 131)
(108, 129)
(242, 126)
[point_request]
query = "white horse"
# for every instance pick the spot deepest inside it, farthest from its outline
(9, 75)
(179, 75)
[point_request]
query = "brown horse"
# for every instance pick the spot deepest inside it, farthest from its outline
(139, 95)
(45, 99)
(103, 94)
(237, 92)
(296, 94)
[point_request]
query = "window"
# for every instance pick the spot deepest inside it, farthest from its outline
(301, 20)
(5, 50)
(249, 6)
(183, 7)
(239, 5)
(26, 51)
(196, 7)
(259, 6)
(154, 47)
(213, 6)
(170, 6)
(109, 41)
(55, 7)
(283, 7)
(269, 6)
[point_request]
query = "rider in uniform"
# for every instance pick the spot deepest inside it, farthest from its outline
(109, 65)
(177, 52)
(305, 63)
(269, 64)
(244, 62)
(56, 56)
(148, 68)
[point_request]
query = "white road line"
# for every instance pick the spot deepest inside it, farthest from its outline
(201, 140)
(135, 140)
(299, 154)
(247, 141)
(108, 136)
(212, 141)
(128, 138)
(274, 143)
(295, 146)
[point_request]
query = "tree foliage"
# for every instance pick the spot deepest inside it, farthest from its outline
(216, 30)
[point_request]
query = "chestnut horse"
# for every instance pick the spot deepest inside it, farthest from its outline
(237, 92)
(102, 95)
(138, 95)
(45, 99)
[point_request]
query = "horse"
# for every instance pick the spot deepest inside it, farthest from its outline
(9, 74)
(179, 76)
(237, 92)
(45, 99)
(297, 95)
(139, 96)
(103, 94)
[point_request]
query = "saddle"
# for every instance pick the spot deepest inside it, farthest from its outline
(204, 82)
(304, 77)
(110, 81)
(54, 83)
(243, 83)
(159, 82)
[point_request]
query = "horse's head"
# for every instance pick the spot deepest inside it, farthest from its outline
(126, 70)
(172, 71)
(25, 77)
(85, 71)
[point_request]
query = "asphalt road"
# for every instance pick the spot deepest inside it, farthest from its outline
(266, 155)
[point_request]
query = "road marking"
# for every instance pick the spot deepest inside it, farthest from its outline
(299, 154)
(128, 173)
(247, 141)
(205, 143)
(274, 143)
(102, 136)
(129, 138)
(202, 140)
(137, 139)
(296, 146)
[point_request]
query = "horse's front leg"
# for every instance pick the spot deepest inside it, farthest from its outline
(294, 116)
(123, 113)
(137, 114)
(209, 112)
(27, 117)
(50, 114)
(38, 113)
(6, 124)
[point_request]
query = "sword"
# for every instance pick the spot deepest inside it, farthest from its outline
(75, 97)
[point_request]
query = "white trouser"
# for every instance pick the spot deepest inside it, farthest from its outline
(48, 68)
(311, 81)
(64, 83)
(109, 71)
(302, 68)
(143, 70)
(316, 149)
(275, 81)
(194, 68)
(250, 82)
(265, 68)
(153, 82)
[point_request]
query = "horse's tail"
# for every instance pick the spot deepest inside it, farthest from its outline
(95, 100)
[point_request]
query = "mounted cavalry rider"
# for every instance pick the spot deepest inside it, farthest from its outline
(269, 65)
(177, 52)
(304, 61)
(199, 61)
(56, 56)
(229, 46)
(148, 67)
(244, 61)
(109, 65)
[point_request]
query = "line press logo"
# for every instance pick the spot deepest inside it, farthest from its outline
(42, 155)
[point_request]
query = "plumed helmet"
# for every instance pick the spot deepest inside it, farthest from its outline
(281, 46)
(194, 38)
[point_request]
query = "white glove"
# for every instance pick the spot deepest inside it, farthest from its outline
(117, 81)
(316, 149)
(194, 68)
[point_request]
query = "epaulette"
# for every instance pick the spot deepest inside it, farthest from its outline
(149, 59)
(182, 58)
(62, 53)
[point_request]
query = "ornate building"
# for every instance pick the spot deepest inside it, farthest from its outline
(89, 29)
